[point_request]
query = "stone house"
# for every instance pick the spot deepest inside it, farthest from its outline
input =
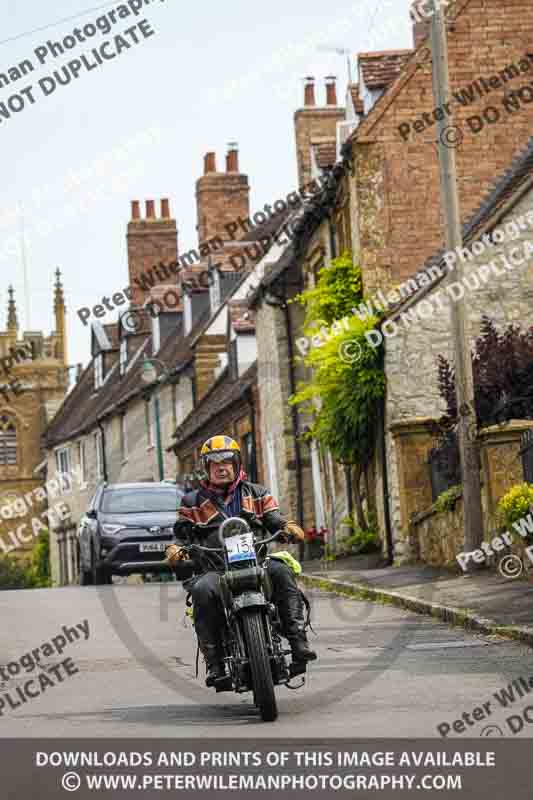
(35, 379)
(114, 426)
(498, 283)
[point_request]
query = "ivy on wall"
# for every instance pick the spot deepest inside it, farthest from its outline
(348, 380)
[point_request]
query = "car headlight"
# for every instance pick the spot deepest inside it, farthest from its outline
(112, 529)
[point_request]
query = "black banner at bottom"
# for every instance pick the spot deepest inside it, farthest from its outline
(292, 768)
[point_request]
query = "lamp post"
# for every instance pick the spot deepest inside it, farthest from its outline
(149, 375)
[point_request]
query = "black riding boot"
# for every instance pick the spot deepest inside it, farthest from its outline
(288, 599)
(213, 661)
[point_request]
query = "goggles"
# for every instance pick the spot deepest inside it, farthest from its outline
(219, 458)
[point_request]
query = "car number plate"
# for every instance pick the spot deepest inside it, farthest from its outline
(240, 548)
(154, 547)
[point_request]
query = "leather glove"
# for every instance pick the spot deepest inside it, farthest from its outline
(294, 532)
(175, 553)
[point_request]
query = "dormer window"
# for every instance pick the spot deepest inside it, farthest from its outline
(123, 356)
(98, 370)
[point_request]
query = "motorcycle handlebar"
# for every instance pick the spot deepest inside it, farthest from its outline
(221, 549)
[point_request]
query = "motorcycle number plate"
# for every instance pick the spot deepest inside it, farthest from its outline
(240, 548)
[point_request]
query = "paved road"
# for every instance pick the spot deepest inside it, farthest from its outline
(382, 671)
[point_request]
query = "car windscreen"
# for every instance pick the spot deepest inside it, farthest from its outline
(135, 501)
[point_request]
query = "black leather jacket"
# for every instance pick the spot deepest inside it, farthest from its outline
(200, 516)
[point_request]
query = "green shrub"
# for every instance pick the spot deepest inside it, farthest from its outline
(40, 562)
(14, 575)
(447, 500)
(33, 575)
(516, 503)
(361, 541)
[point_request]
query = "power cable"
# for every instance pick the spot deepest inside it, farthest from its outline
(53, 24)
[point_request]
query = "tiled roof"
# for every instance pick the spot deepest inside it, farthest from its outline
(379, 70)
(241, 317)
(356, 100)
(221, 396)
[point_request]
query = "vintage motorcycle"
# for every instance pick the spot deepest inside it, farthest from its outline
(254, 656)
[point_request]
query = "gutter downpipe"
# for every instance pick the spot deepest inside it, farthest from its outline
(104, 457)
(283, 304)
(385, 478)
(295, 427)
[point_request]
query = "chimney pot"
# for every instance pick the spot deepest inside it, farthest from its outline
(331, 90)
(210, 163)
(421, 23)
(135, 209)
(309, 92)
(165, 208)
(232, 158)
(150, 209)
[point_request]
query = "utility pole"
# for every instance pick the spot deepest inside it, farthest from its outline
(464, 382)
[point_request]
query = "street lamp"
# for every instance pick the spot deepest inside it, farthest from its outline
(148, 376)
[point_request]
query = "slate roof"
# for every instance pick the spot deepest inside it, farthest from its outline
(381, 69)
(225, 393)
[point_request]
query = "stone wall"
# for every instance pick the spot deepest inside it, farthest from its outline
(276, 423)
(436, 538)
(412, 345)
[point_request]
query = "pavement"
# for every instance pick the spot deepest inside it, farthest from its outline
(483, 602)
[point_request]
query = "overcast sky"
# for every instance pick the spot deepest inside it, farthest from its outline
(212, 73)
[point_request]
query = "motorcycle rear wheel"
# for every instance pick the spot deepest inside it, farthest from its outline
(263, 685)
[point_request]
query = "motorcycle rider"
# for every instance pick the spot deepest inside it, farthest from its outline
(227, 493)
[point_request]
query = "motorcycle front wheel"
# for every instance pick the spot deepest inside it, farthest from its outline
(263, 685)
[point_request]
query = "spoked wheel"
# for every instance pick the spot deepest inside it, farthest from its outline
(262, 683)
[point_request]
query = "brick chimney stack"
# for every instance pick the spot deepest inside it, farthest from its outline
(232, 157)
(150, 241)
(210, 163)
(421, 22)
(309, 92)
(331, 90)
(221, 197)
(313, 123)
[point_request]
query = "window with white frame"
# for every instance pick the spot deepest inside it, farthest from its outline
(148, 419)
(98, 371)
(82, 461)
(123, 438)
(63, 460)
(123, 356)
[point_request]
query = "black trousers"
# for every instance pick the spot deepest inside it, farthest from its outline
(209, 613)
